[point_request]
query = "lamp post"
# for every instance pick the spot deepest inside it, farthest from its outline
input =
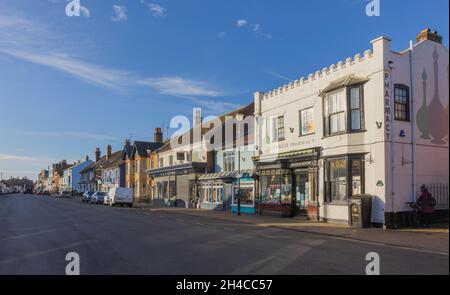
(239, 119)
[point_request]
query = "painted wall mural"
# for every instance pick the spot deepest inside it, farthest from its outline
(432, 119)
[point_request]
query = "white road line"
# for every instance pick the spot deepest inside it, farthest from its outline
(28, 235)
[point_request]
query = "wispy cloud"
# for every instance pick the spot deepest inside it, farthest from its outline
(179, 86)
(24, 45)
(255, 28)
(20, 158)
(119, 13)
(279, 76)
(155, 9)
(71, 135)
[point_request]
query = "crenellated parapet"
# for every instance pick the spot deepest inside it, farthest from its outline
(332, 69)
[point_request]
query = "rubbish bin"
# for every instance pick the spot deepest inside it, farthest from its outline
(361, 211)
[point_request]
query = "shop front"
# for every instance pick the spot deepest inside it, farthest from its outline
(287, 185)
(220, 191)
(176, 186)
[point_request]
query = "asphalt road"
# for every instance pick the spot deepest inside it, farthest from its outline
(37, 233)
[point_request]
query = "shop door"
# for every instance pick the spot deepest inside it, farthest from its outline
(302, 190)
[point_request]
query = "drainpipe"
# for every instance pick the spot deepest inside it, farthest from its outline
(392, 93)
(413, 123)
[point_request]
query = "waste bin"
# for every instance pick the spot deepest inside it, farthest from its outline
(361, 211)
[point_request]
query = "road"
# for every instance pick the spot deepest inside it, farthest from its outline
(37, 233)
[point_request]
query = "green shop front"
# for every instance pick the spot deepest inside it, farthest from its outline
(288, 184)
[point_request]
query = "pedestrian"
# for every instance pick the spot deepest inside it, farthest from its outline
(426, 204)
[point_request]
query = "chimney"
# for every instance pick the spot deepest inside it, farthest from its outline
(97, 155)
(63, 164)
(158, 135)
(127, 142)
(86, 158)
(427, 34)
(108, 151)
(197, 113)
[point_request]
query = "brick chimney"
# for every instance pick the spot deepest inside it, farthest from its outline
(427, 34)
(108, 151)
(86, 158)
(127, 142)
(97, 155)
(158, 135)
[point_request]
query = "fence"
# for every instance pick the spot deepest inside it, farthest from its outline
(439, 191)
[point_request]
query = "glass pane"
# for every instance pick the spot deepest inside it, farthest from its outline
(341, 101)
(356, 120)
(334, 124)
(354, 97)
(342, 122)
(356, 177)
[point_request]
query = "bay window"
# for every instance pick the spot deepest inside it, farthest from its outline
(343, 111)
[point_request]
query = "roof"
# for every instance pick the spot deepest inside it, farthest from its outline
(142, 148)
(349, 80)
(247, 110)
(114, 161)
(127, 150)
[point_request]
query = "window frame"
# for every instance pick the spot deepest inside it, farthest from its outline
(349, 179)
(300, 122)
(407, 105)
(278, 128)
(347, 112)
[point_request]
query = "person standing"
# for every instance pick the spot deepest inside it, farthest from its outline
(426, 204)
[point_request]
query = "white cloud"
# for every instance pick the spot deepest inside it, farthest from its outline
(179, 86)
(119, 13)
(85, 11)
(156, 9)
(221, 34)
(241, 23)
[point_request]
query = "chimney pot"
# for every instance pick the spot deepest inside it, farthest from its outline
(427, 34)
(108, 151)
(158, 135)
(97, 155)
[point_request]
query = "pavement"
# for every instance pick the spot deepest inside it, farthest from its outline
(38, 232)
(434, 239)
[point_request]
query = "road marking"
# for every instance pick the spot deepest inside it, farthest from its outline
(39, 253)
(274, 237)
(28, 235)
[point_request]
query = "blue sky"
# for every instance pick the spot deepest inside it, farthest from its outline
(68, 85)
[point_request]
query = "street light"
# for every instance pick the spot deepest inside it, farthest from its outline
(239, 119)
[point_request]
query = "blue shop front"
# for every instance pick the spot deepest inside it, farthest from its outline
(221, 191)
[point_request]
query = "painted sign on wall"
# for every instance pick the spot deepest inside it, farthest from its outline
(387, 106)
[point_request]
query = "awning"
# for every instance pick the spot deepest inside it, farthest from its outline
(227, 175)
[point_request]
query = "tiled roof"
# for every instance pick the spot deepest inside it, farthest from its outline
(114, 161)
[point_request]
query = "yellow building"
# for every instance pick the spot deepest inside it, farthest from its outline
(137, 162)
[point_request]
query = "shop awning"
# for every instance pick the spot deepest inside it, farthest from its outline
(227, 175)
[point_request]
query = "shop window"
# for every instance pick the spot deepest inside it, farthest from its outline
(276, 187)
(344, 177)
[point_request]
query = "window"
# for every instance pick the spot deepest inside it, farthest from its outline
(279, 129)
(355, 108)
(276, 187)
(401, 98)
(180, 156)
(161, 162)
(307, 122)
(343, 111)
(229, 159)
(344, 178)
(170, 160)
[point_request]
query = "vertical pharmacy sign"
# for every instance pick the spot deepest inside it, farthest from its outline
(387, 105)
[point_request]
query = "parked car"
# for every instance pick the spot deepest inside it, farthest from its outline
(87, 197)
(120, 197)
(98, 198)
(66, 194)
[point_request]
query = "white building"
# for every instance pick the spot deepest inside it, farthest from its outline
(374, 124)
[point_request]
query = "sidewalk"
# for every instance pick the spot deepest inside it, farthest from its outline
(429, 239)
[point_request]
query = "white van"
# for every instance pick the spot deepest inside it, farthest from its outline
(120, 196)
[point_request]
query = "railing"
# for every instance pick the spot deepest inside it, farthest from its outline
(439, 191)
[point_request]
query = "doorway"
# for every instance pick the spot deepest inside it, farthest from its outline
(302, 191)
